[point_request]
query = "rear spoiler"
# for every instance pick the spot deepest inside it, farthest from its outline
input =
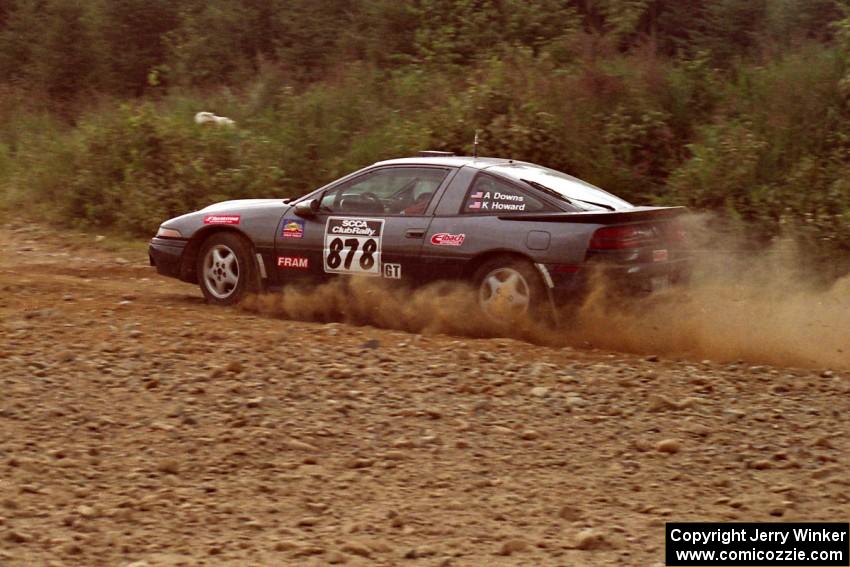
(607, 217)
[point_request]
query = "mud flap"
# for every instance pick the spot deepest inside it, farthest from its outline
(262, 275)
(547, 279)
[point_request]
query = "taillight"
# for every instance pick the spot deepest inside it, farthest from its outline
(620, 237)
(675, 231)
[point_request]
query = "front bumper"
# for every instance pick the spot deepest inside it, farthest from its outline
(166, 255)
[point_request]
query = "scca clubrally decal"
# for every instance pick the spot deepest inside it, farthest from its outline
(353, 245)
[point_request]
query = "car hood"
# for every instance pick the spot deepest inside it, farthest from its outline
(241, 204)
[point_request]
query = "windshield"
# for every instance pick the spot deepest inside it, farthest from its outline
(577, 192)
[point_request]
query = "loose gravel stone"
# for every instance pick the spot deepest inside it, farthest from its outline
(357, 548)
(590, 539)
(669, 446)
(540, 391)
(173, 433)
(511, 546)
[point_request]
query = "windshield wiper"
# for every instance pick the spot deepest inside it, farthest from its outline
(553, 193)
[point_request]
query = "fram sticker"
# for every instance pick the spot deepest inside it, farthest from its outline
(446, 239)
(222, 219)
(293, 228)
(293, 262)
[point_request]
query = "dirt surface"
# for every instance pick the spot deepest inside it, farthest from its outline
(140, 427)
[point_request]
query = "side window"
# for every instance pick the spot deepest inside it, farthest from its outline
(391, 190)
(490, 195)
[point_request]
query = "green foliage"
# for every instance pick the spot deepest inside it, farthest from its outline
(463, 31)
(214, 43)
(777, 156)
(47, 45)
(738, 106)
(137, 29)
(130, 168)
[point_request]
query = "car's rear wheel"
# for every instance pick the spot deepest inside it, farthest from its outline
(508, 289)
(226, 270)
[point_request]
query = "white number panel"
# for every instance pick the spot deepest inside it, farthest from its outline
(353, 245)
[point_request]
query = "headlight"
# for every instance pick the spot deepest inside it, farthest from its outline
(168, 233)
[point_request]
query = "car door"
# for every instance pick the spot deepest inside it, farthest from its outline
(372, 225)
(466, 221)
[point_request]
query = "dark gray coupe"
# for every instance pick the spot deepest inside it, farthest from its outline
(524, 235)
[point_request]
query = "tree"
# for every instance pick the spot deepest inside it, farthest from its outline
(132, 33)
(23, 20)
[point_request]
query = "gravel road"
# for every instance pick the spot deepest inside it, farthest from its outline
(140, 427)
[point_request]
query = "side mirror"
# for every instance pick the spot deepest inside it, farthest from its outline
(307, 208)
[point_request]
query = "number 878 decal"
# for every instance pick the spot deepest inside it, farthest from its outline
(353, 245)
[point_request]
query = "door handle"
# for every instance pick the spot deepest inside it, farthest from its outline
(414, 233)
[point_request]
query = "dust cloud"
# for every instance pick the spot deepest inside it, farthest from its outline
(758, 306)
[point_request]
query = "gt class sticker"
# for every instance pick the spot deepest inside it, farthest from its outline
(446, 239)
(296, 262)
(222, 219)
(353, 245)
(392, 271)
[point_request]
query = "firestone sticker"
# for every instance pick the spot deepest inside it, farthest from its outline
(293, 262)
(222, 219)
(293, 228)
(446, 239)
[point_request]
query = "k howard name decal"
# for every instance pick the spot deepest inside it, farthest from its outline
(222, 219)
(495, 201)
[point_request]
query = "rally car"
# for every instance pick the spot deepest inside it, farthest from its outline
(523, 235)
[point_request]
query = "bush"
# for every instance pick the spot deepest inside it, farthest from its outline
(131, 168)
(766, 144)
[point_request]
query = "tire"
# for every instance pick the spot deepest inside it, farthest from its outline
(226, 269)
(509, 288)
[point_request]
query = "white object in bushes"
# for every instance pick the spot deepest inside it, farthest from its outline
(210, 118)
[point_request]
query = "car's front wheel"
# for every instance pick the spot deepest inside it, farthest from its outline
(509, 288)
(226, 271)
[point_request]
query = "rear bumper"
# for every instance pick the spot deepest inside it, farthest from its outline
(643, 278)
(166, 255)
(620, 279)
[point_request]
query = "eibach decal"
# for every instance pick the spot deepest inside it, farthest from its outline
(293, 262)
(222, 219)
(446, 239)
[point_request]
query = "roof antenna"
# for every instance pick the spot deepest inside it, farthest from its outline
(475, 146)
